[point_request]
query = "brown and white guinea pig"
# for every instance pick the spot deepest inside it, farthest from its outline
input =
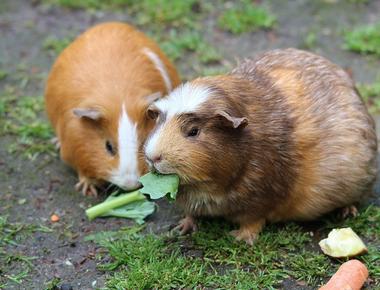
(96, 98)
(284, 136)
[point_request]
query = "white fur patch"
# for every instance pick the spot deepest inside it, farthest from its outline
(184, 99)
(151, 144)
(127, 174)
(160, 67)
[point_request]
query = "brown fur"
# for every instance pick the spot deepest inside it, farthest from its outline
(309, 146)
(102, 69)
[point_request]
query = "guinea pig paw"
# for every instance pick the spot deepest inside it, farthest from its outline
(91, 191)
(249, 232)
(87, 188)
(186, 225)
(349, 211)
(56, 143)
(244, 235)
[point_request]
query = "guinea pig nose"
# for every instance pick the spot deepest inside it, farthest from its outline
(156, 159)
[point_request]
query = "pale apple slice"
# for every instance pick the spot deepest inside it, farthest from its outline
(342, 243)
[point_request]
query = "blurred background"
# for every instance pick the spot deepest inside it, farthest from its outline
(201, 38)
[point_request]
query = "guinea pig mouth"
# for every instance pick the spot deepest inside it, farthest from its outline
(161, 167)
(125, 181)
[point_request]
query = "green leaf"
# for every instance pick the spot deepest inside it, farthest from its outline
(115, 201)
(137, 210)
(134, 205)
(159, 185)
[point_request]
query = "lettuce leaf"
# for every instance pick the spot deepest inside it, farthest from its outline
(160, 185)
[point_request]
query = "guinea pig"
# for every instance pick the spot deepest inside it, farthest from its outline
(96, 97)
(284, 136)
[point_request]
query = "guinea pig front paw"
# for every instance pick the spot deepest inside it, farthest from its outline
(349, 211)
(87, 188)
(244, 235)
(248, 232)
(186, 225)
(56, 143)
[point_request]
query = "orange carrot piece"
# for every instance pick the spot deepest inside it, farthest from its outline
(54, 218)
(351, 275)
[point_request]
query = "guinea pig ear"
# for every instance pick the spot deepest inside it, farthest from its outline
(152, 112)
(233, 122)
(88, 113)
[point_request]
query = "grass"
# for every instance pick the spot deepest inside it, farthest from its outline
(178, 27)
(90, 4)
(179, 43)
(3, 74)
(211, 258)
(310, 41)
(20, 116)
(364, 39)
(190, 51)
(175, 25)
(55, 45)
(11, 236)
(244, 16)
(14, 233)
(53, 284)
(359, 1)
(371, 95)
(176, 13)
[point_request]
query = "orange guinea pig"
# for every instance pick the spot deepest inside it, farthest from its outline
(96, 98)
(284, 136)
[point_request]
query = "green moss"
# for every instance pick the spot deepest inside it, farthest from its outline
(245, 16)
(364, 39)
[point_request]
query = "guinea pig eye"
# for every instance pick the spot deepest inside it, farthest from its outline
(153, 114)
(110, 149)
(193, 132)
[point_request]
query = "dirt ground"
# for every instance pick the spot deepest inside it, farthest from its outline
(32, 190)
